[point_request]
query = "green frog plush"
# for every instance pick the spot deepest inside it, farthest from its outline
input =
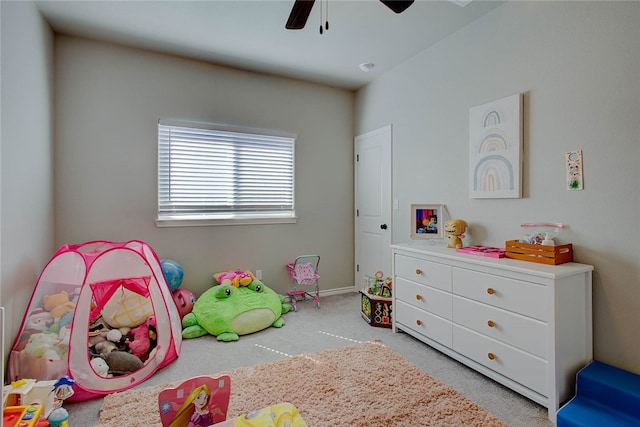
(227, 312)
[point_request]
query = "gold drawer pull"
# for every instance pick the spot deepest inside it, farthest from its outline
(491, 323)
(491, 291)
(419, 322)
(419, 297)
(491, 356)
(418, 271)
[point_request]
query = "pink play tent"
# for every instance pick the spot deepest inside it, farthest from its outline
(119, 286)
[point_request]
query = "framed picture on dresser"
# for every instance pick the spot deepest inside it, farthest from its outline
(426, 221)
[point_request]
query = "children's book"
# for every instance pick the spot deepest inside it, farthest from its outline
(198, 401)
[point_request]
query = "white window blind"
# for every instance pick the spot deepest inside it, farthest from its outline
(208, 171)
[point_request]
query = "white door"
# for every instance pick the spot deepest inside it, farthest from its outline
(372, 204)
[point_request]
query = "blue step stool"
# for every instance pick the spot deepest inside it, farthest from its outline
(605, 396)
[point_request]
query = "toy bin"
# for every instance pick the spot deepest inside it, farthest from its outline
(376, 310)
(542, 254)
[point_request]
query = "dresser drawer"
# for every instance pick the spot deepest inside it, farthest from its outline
(521, 367)
(518, 331)
(527, 298)
(423, 297)
(424, 323)
(425, 272)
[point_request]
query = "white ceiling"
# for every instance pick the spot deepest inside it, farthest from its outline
(250, 34)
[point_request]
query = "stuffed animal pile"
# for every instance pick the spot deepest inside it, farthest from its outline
(119, 340)
(121, 334)
(48, 328)
(117, 351)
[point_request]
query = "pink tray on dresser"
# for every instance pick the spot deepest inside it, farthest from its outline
(487, 251)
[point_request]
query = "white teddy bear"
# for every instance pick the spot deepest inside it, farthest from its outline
(43, 345)
(100, 366)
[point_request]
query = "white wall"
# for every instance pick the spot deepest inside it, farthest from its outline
(26, 223)
(578, 64)
(108, 102)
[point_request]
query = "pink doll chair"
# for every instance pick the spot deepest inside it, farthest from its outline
(303, 272)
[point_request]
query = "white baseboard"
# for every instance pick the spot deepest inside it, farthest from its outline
(338, 291)
(327, 292)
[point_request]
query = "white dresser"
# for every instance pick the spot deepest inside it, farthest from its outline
(528, 326)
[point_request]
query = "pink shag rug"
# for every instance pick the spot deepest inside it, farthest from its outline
(366, 384)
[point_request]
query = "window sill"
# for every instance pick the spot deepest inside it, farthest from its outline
(198, 221)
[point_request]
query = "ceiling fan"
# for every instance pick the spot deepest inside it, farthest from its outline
(302, 8)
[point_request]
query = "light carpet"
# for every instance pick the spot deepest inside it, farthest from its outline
(366, 384)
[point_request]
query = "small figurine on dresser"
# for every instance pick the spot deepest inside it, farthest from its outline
(454, 229)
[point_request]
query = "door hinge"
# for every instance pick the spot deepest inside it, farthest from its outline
(357, 157)
(357, 267)
(357, 212)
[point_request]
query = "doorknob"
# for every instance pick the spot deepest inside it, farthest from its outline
(383, 226)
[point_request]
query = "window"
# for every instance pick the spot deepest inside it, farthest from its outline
(213, 174)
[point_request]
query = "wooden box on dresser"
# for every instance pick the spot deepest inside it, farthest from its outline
(528, 326)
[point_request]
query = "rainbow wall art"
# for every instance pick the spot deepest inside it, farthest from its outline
(495, 149)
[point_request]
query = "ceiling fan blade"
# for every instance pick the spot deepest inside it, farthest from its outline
(398, 6)
(299, 14)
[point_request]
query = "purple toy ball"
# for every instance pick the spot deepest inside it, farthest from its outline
(173, 273)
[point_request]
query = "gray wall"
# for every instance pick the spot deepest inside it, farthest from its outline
(26, 222)
(108, 102)
(578, 64)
